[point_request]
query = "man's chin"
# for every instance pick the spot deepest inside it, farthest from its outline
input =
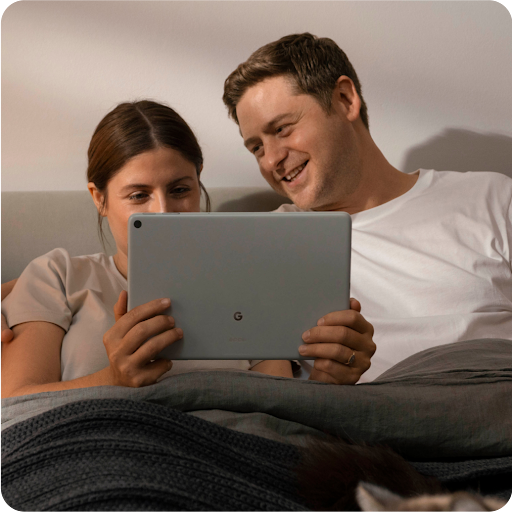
(303, 200)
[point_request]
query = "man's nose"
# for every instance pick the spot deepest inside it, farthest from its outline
(275, 154)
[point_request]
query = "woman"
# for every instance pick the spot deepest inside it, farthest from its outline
(69, 315)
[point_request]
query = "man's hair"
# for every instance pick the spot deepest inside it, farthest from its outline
(312, 64)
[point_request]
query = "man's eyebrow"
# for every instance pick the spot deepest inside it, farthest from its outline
(133, 186)
(268, 127)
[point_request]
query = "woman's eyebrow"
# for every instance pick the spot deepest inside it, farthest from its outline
(133, 186)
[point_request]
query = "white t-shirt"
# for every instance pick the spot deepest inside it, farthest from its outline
(433, 266)
(78, 294)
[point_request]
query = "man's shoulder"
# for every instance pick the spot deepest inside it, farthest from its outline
(490, 186)
(493, 179)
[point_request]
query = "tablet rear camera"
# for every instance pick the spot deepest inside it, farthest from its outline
(137, 223)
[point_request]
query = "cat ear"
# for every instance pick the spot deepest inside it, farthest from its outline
(373, 497)
(463, 501)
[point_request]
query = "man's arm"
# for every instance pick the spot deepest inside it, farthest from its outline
(7, 334)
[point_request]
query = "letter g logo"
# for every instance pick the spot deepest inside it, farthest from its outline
(238, 316)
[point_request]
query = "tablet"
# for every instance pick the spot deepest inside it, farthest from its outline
(242, 285)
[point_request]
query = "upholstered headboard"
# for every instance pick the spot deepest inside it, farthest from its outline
(34, 223)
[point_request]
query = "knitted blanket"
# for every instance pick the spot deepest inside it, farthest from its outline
(127, 455)
(116, 454)
(448, 409)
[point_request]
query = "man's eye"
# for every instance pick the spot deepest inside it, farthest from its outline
(255, 149)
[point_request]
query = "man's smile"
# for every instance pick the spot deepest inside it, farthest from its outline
(295, 173)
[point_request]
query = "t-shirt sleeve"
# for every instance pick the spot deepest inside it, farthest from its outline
(40, 292)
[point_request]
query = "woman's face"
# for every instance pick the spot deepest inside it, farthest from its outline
(157, 181)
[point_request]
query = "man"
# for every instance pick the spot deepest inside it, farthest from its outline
(431, 253)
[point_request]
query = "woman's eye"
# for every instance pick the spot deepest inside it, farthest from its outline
(180, 190)
(177, 191)
(139, 196)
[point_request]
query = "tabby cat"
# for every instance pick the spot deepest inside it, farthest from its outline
(340, 476)
(372, 498)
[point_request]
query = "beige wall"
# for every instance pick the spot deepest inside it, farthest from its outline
(436, 76)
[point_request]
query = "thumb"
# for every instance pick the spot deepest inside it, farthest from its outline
(121, 305)
(355, 304)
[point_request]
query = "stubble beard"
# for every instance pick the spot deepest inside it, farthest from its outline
(333, 190)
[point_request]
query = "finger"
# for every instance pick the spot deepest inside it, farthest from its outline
(349, 318)
(150, 350)
(139, 314)
(153, 371)
(121, 305)
(144, 330)
(332, 351)
(338, 335)
(7, 335)
(334, 374)
(320, 376)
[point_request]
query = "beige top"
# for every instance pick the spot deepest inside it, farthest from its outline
(78, 294)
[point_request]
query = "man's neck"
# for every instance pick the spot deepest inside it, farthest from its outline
(379, 181)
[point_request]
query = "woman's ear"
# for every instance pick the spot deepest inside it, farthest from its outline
(97, 197)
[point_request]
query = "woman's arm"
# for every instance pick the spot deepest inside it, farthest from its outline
(277, 368)
(32, 364)
(7, 287)
(7, 335)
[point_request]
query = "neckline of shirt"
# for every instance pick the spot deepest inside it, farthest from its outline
(116, 272)
(424, 180)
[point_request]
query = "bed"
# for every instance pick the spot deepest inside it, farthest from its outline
(224, 440)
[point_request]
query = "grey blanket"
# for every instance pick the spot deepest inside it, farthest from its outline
(447, 410)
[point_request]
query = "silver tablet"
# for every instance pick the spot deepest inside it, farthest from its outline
(242, 285)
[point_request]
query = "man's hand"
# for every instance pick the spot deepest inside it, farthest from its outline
(7, 334)
(339, 338)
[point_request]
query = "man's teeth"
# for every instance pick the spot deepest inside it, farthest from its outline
(294, 173)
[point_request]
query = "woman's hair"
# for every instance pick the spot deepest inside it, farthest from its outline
(313, 65)
(134, 128)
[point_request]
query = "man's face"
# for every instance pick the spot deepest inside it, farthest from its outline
(303, 152)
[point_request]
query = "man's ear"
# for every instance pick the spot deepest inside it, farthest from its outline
(345, 98)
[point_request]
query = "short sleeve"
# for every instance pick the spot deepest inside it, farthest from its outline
(40, 292)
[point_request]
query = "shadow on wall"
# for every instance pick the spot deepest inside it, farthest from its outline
(462, 150)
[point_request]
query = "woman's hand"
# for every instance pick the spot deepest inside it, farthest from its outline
(132, 359)
(7, 335)
(342, 344)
